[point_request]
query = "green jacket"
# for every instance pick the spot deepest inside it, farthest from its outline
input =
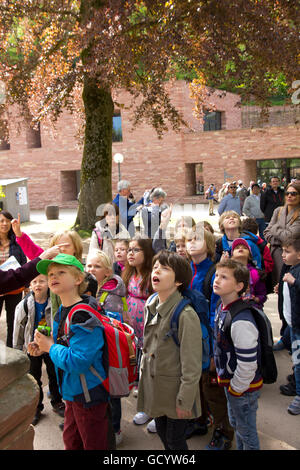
(170, 374)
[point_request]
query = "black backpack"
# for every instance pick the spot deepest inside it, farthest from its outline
(268, 366)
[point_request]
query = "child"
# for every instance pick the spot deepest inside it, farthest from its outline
(241, 252)
(33, 311)
(201, 249)
(111, 293)
(238, 373)
(249, 231)
(111, 296)
(200, 244)
(137, 279)
(291, 299)
(87, 424)
(121, 247)
(169, 383)
(180, 243)
(69, 242)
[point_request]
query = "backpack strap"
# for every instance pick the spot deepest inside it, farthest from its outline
(173, 332)
(99, 237)
(234, 310)
(207, 288)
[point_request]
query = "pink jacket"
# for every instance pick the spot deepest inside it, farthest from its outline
(30, 249)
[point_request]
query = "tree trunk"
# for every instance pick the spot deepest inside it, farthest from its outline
(95, 185)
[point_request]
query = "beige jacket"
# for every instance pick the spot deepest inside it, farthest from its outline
(282, 225)
(170, 374)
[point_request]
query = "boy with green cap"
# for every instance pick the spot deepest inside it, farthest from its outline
(87, 425)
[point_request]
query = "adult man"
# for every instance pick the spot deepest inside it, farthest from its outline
(210, 196)
(252, 208)
(271, 198)
(127, 209)
(151, 214)
(230, 202)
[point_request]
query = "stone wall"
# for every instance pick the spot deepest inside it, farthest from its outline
(19, 394)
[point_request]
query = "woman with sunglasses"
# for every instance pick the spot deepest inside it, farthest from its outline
(285, 222)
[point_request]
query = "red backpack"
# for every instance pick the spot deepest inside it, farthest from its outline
(119, 354)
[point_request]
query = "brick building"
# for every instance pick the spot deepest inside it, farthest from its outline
(232, 143)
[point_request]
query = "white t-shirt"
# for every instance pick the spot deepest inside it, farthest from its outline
(287, 313)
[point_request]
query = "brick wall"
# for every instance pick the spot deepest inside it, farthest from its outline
(148, 160)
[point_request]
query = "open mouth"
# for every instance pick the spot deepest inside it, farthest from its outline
(155, 280)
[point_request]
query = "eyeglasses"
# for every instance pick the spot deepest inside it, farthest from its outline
(134, 250)
(291, 193)
(232, 187)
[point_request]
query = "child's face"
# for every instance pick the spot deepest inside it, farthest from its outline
(121, 252)
(225, 282)
(163, 278)
(135, 254)
(181, 248)
(68, 248)
(95, 267)
(39, 285)
(62, 280)
(290, 256)
(196, 247)
(230, 222)
(241, 253)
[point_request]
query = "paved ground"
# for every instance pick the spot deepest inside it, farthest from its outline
(278, 430)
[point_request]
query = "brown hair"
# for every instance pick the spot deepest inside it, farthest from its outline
(293, 241)
(145, 244)
(180, 266)
(226, 214)
(240, 272)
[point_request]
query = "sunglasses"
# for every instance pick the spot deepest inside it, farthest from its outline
(232, 187)
(291, 193)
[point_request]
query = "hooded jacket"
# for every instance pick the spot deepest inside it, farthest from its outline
(112, 295)
(75, 355)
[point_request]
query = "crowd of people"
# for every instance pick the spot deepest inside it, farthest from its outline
(141, 274)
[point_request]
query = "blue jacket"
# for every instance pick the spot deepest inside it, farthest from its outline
(223, 245)
(127, 209)
(230, 203)
(197, 283)
(84, 349)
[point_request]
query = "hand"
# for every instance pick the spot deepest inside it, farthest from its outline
(50, 253)
(289, 278)
(33, 349)
(225, 255)
(16, 226)
(183, 414)
(212, 366)
(276, 289)
(165, 217)
(44, 342)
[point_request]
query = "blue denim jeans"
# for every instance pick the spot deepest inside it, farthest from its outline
(295, 340)
(261, 227)
(242, 417)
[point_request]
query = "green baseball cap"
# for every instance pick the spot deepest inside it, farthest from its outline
(69, 260)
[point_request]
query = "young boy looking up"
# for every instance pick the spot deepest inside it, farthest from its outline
(87, 423)
(33, 311)
(291, 302)
(169, 383)
(237, 354)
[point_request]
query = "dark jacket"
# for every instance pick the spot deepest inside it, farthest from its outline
(294, 294)
(16, 278)
(269, 200)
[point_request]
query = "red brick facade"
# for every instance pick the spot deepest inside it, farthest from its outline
(149, 161)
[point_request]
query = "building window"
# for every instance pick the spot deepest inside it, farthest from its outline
(4, 136)
(194, 179)
(70, 185)
(33, 137)
(117, 127)
(284, 168)
(212, 121)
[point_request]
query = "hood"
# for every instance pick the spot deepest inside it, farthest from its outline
(249, 236)
(119, 288)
